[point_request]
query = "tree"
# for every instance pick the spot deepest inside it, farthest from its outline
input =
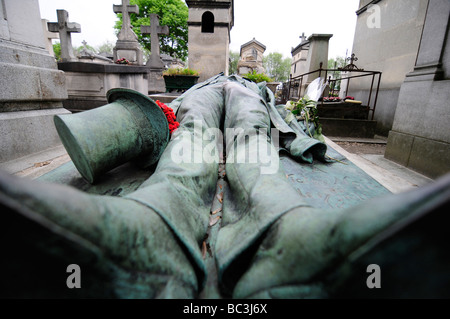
(277, 67)
(337, 62)
(106, 47)
(334, 64)
(173, 13)
(234, 60)
(57, 50)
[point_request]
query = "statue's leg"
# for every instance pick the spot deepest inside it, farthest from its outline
(136, 254)
(311, 253)
(147, 244)
(183, 186)
(259, 190)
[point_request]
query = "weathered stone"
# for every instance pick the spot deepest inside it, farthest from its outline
(65, 28)
(422, 111)
(32, 87)
(390, 47)
(88, 83)
(209, 26)
(251, 57)
(127, 45)
(155, 30)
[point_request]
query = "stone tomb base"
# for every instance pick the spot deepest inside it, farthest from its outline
(88, 83)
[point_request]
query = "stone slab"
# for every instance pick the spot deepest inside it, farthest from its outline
(348, 127)
(399, 147)
(27, 132)
(428, 157)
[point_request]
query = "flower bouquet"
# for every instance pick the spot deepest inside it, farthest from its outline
(170, 115)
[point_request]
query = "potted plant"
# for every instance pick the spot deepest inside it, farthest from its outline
(180, 79)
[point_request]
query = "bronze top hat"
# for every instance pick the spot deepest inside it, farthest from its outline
(132, 127)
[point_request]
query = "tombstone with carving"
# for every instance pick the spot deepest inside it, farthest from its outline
(155, 63)
(127, 45)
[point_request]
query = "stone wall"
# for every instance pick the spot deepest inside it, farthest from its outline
(88, 83)
(387, 39)
(32, 87)
(420, 137)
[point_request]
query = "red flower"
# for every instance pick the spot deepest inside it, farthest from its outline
(170, 115)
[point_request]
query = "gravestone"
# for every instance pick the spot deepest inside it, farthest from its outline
(65, 29)
(32, 87)
(49, 36)
(91, 76)
(155, 63)
(87, 55)
(155, 30)
(127, 45)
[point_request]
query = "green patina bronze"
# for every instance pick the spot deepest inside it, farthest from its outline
(224, 228)
(130, 127)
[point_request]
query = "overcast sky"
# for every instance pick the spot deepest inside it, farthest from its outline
(276, 24)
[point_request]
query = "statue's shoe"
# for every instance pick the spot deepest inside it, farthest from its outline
(391, 247)
(123, 248)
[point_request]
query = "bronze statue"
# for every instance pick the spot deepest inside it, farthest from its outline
(271, 243)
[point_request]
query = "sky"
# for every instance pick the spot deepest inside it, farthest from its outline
(276, 24)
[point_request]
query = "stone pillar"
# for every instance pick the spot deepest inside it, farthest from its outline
(32, 87)
(318, 53)
(127, 45)
(209, 25)
(420, 138)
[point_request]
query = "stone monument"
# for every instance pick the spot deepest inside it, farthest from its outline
(91, 76)
(420, 137)
(32, 87)
(387, 39)
(251, 57)
(155, 63)
(127, 45)
(87, 55)
(49, 36)
(315, 49)
(209, 24)
(65, 28)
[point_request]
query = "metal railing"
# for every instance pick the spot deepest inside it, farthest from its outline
(296, 87)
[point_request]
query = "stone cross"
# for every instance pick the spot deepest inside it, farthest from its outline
(49, 36)
(126, 33)
(155, 30)
(303, 37)
(65, 28)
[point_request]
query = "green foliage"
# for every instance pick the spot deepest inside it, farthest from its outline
(257, 77)
(57, 50)
(106, 47)
(277, 67)
(81, 47)
(180, 71)
(334, 64)
(306, 110)
(234, 60)
(173, 13)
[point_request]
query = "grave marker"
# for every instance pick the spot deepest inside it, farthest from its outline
(127, 45)
(65, 29)
(154, 29)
